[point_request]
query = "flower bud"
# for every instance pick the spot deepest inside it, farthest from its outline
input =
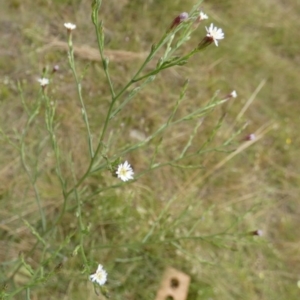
(182, 17)
(256, 232)
(250, 137)
(55, 68)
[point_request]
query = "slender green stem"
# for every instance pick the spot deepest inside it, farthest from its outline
(26, 168)
(180, 61)
(81, 226)
(79, 92)
(100, 42)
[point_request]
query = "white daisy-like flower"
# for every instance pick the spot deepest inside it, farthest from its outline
(43, 81)
(125, 171)
(70, 26)
(214, 33)
(100, 276)
(202, 16)
(233, 94)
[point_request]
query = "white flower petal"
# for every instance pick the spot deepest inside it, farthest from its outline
(202, 16)
(70, 26)
(100, 276)
(125, 171)
(43, 81)
(214, 33)
(233, 94)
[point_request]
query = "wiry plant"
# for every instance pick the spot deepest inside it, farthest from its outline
(103, 158)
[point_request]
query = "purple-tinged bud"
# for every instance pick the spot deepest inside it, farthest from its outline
(257, 232)
(250, 137)
(182, 17)
(55, 68)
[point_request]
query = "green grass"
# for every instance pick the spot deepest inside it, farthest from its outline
(195, 219)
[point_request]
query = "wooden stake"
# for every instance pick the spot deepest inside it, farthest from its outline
(174, 285)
